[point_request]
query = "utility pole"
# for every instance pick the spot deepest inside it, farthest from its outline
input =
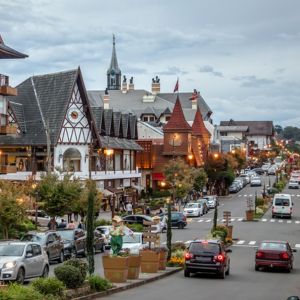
(47, 131)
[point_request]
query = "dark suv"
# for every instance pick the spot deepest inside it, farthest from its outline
(74, 241)
(136, 219)
(208, 256)
(50, 241)
(178, 219)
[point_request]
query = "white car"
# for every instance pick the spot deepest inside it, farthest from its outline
(293, 184)
(265, 167)
(212, 201)
(255, 181)
(193, 210)
(133, 242)
(282, 205)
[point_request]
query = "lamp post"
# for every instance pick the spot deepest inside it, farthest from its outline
(169, 229)
(33, 186)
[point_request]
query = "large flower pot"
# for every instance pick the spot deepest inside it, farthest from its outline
(134, 265)
(149, 261)
(115, 268)
(229, 231)
(163, 255)
(249, 215)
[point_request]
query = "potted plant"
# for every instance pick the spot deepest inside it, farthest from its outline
(163, 255)
(134, 266)
(149, 260)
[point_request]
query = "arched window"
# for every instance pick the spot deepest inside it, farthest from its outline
(71, 160)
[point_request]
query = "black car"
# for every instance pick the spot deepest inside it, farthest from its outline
(178, 219)
(136, 219)
(74, 242)
(259, 171)
(207, 256)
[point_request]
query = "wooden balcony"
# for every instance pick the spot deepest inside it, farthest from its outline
(5, 88)
(8, 169)
(8, 129)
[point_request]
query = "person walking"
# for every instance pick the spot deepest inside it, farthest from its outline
(129, 208)
(81, 224)
(52, 225)
(62, 224)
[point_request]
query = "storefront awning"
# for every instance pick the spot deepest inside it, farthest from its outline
(158, 176)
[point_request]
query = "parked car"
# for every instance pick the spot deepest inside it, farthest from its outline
(74, 241)
(265, 167)
(282, 205)
(204, 203)
(234, 188)
(50, 241)
(104, 230)
(22, 260)
(246, 176)
(259, 171)
(272, 170)
(178, 219)
(293, 184)
(193, 209)
(133, 242)
(274, 254)
(208, 256)
(255, 181)
(212, 201)
(136, 219)
(239, 182)
(99, 241)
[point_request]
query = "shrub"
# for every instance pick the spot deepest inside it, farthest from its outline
(160, 194)
(260, 201)
(19, 292)
(136, 227)
(98, 283)
(49, 286)
(178, 246)
(220, 232)
(80, 264)
(101, 222)
(69, 275)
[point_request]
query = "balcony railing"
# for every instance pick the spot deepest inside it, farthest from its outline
(5, 89)
(4, 80)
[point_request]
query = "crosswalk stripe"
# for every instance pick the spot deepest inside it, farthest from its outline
(240, 242)
(293, 195)
(297, 246)
(207, 220)
(223, 220)
(289, 221)
(240, 219)
(245, 195)
(272, 220)
(178, 242)
(297, 222)
(250, 195)
(264, 220)
(252, 243)
(298, 195)
(232, 220)
(200, 221)
(164, 243)
(280, 221)
(240, 196)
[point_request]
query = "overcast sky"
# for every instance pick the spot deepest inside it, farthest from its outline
(242, 55)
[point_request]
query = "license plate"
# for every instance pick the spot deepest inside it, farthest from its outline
(190, 212)
(203, 259)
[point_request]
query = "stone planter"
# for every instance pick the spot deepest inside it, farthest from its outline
(115, 268)
(149, 261)
(163, 255)
(134, 266)
(249, 215)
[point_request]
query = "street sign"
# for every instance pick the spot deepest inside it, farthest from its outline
(227, 217)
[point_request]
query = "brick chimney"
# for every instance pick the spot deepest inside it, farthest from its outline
(131, 84)
(124, 85)
(155, 87)
(106, 100)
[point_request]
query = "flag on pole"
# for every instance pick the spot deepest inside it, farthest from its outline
(176, 88)
(195, 95)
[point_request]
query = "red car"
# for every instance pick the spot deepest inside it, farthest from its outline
(274, 254)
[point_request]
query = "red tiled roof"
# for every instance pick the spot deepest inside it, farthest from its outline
(198, 127)
(177, 120)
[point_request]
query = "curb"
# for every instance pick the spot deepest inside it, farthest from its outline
(128, 286)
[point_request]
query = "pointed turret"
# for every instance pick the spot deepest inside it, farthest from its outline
(198, 127)
(114, 72)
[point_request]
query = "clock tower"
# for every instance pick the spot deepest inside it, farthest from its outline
(114, 72)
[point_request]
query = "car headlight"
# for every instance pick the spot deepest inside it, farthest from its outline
(9, 265)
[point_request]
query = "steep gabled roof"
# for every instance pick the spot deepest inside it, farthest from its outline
(177, 120)
(108, 119)
(18, 111)
(125, 124)
(7, 52)
(117, 123)
(198, 127)
(114, 61)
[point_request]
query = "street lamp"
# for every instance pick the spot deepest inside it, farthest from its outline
(33, 186)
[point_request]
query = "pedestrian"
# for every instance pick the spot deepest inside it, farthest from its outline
(148, 211)
(71, 225)
(62, 224)
(52, 225)
(129, 208)
(81, 224)
(160, 211)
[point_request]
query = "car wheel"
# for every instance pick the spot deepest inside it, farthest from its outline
(45, 272)
(20, 276)
(61, 257)
(256, 268)
(180, 226)
(228, 270)
(103, 248)
(187, 273)
(222, 274)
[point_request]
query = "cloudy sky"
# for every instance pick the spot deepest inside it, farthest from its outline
(243, 56)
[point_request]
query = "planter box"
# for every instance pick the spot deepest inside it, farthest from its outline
(134, 266)
(249, 215)
(163, 255)
(149, 261)
(7, 129)
(115, 268)
(229, 229)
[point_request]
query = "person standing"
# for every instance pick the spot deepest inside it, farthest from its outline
(81, 224)
(62, 224)
(129, 208)
(71, 225)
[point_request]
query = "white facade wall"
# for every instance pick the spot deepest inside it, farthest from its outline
(260, 140)
(146, 132)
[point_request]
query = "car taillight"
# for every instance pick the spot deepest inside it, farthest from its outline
(219, 258)
(188, 256)
(284, 255)
(259, 254)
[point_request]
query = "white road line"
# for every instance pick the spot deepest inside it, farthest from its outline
(272, 220)
(240, 242)
(250, 195)
(245, 195)
(207, 220)
(200, 221)
(232, 220)
(297, 222)
(239, 195)
(252, 243)
(297, 246)
(240, 219)
(298, 195)
(289, 221)
(223, 220)
(178, 242)
(280, 221)
(264, 220)
(187, 242)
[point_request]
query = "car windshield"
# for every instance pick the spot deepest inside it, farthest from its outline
(282, 202)
(175, 216)
(66, 234)
(192, 205)
(273, 246)
(11, 250)
(37, 238)
(130, 239)
(201, 248)
(103, 230)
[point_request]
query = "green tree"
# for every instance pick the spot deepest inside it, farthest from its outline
(58, 196)
(200, 179)
(12, 209)
(278, 129)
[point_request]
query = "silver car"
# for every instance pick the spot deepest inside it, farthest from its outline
(20, 261)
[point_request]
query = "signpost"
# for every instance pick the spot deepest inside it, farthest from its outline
(227, 220)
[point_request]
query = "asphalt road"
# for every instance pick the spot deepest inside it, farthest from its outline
(243, 283)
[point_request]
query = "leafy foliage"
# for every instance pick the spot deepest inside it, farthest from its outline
(80, 264)
(200, 179)
(102, 222)
(69, 275)
(98, 283)
(49, 286)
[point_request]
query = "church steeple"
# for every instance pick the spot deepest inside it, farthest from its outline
(114, 72)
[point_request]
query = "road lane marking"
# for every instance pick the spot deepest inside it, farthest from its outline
(264, 220)
(239, 195)
(207, 220)
(280, 221)
(298, 195)
(289, 221)
(223, 220)
(164, 243)
(250, 195)
(200, 221)
(272, 220)
(297, 222)
(240, 242)
(240, 219)
(232, 220)
(178, 242)
(252, 243)
(297, 246)
(245, 195)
